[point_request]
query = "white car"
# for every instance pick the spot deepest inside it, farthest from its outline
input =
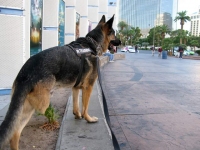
(129, 49)
(124, 49)
(176, 53)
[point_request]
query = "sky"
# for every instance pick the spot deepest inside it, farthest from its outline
(191, 6)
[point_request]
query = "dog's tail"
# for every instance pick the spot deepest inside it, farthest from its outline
(12, 118)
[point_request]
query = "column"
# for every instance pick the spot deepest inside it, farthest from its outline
(112, 10)
(50, 24)
(103, 9)
(93, 9)
(82, 9)
(70, 21)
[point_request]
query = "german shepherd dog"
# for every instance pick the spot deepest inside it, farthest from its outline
(58, 65)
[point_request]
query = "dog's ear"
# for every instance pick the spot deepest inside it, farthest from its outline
(103, 19)
(109, 23)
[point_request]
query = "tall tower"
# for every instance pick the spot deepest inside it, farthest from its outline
(146, 14)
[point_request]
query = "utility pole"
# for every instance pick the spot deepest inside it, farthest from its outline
(153, 35)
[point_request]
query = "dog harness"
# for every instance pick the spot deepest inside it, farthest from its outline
(83, 53)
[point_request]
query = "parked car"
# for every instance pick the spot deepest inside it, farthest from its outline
(185, 53)
(190, 52)
(124, 49)
(129, 49)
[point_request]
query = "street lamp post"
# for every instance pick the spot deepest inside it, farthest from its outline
(153, 35)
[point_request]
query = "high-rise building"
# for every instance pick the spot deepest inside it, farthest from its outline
(195, 23)
(146, 14)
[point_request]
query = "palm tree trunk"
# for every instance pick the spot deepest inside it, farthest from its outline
(181, 26)
(131, 41)
(181, 40)
(185, 41)
(182, 23)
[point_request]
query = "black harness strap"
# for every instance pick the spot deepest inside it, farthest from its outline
(105, 107)
(82, 53)
(80, 70)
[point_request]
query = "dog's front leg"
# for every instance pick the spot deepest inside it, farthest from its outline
(76, 111)
(86, 92)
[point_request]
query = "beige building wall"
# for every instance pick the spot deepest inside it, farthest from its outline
(14, 50)
(195, 23)
(15, 29)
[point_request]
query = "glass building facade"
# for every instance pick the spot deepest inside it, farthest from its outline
(146, 14)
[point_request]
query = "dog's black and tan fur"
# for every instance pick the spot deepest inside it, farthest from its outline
(57, 65)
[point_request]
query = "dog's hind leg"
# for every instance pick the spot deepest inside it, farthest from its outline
(85, 100)
(28, 110)
(76, 110)
(39, 98)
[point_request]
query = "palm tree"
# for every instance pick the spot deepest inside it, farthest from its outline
(137, 34)
(122, 25)
(164, 30)
(157, 34)
(125, 32)
(183, 18)
(183, 34)
(131, 34)
(194, 43)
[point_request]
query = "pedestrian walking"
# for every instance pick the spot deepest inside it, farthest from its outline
(153, 50)
(180, 49)
(159, 51)
(136, 48)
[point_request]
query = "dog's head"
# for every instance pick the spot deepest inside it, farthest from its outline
(116, 42)
(103, 34)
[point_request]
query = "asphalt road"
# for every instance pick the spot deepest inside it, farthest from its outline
(153, 102)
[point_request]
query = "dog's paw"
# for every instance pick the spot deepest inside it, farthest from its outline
(92, 119)
(77, 116)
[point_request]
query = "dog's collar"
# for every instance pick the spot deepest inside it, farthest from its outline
(98, 47)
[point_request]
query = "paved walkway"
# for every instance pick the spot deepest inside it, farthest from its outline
(154, 103)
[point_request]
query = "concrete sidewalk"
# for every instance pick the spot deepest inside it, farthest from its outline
(78, 134)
